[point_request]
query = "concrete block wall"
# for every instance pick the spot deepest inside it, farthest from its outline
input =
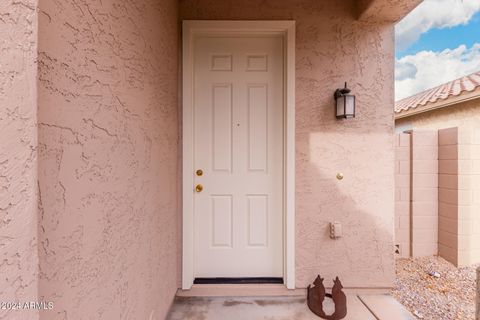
(459, 195)
(448, 194)
(416, 193)
(475, 174)
(402, 194)
(468, 196)
(424, 212)
(437, 188)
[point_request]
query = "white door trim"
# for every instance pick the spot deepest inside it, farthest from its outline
(287, 30)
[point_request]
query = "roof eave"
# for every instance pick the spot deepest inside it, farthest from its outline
(384, 10)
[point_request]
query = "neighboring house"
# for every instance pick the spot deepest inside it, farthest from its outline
(438, 172)
(103, 210)
(452, 104)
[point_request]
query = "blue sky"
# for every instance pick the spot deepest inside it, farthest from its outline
(437, 42)
(441, 39)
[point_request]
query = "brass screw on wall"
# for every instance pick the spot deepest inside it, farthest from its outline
(339, 176)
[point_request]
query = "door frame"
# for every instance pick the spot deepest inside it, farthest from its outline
(191, 29)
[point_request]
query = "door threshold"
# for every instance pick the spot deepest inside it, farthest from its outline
(262, 290)
(239, 290)
(248, 280)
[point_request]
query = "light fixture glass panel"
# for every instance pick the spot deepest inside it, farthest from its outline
(340, 106)
(350, 106)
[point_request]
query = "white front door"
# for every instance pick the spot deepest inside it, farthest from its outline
(238, 145)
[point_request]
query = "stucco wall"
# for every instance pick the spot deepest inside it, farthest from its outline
(108, 175)
(332, 48)
(18, 157)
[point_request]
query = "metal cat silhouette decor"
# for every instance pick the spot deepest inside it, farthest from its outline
(316, 295)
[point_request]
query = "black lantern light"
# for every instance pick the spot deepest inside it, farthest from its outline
(344, 103)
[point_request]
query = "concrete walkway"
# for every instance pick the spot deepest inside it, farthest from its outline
(362, 307)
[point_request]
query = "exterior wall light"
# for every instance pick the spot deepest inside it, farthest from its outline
(344, 103)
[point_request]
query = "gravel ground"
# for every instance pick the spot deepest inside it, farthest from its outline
(448, 297)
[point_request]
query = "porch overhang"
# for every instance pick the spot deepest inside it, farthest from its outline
(384, 10)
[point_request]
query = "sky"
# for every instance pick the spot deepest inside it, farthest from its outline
(437, 42)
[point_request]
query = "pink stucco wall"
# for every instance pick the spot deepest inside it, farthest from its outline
(108, 143)
(105, 100)
(332, 47)
(18, 157)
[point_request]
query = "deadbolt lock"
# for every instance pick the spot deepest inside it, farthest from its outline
(199, 172)
(199, 188)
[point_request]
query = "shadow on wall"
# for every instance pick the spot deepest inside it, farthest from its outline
(364, 256)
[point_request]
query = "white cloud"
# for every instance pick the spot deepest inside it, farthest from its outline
(427, 69)
(433, 14)
(404, 70)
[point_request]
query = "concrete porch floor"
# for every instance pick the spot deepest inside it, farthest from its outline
(360, 307)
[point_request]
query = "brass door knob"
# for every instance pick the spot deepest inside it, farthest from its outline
(199, 188)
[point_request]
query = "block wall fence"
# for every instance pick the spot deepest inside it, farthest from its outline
(416, 188)
(402, 194)
(448, 187)
(437, 194)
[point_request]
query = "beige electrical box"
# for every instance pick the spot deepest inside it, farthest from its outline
(335, 230)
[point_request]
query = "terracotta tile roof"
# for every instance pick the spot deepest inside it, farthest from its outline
(445, 91)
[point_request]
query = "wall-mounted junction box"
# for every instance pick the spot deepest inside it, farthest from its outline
(336, 230)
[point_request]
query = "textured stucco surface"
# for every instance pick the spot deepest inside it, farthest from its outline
(106, 107)
(108, 175)
(18, 157)
(332, 47)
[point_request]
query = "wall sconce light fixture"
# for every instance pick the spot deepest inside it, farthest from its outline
(344, 103)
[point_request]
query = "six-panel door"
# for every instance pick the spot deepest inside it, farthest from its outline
(238, 144)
